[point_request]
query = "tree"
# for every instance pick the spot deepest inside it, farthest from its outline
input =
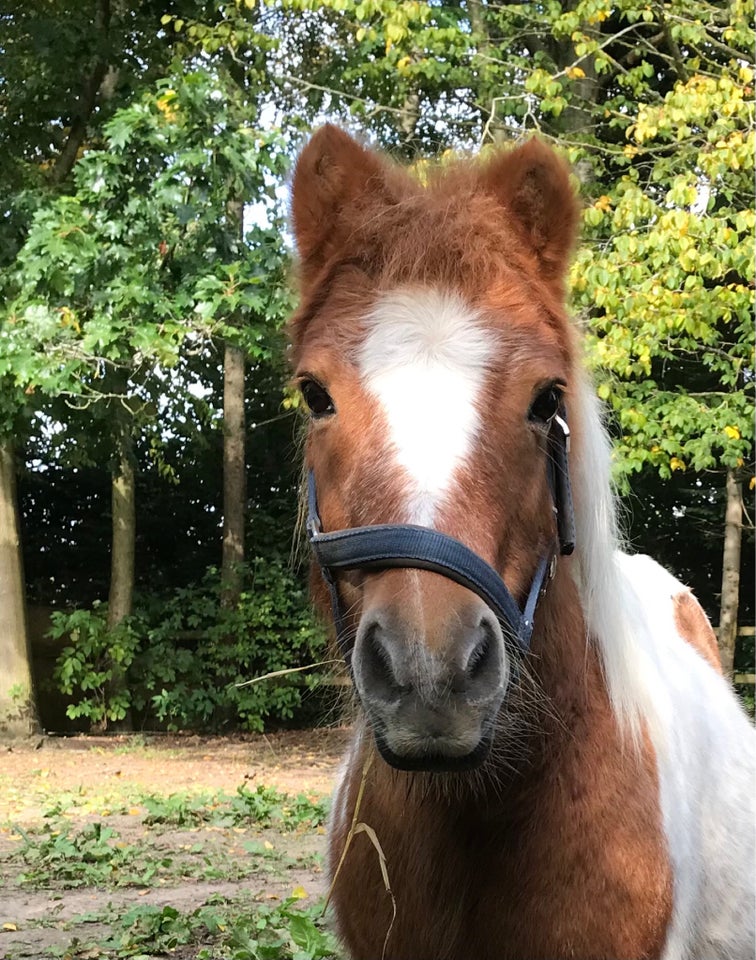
(728, 616)
(18, 714)
(64, 70)
(113, 278)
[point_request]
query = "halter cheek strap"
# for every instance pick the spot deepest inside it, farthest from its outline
(384, 546)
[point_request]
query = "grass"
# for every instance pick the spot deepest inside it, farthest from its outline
(221, 929)
(126, 844)
(262, 806)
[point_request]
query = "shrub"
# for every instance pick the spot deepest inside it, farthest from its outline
(186, 655)
(94, 659)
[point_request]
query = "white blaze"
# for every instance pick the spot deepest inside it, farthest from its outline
(425, 359)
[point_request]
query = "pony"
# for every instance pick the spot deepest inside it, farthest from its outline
(547, 761)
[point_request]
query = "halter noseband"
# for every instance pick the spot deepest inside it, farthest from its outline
(382, 546)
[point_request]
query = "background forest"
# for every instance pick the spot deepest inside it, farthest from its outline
(148, 441)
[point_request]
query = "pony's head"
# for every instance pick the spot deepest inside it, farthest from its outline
(433, 353)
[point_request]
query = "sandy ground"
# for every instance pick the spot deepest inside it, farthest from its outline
(97, 778)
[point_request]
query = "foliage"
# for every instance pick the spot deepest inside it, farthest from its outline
(86, 667)
(277, 933)
(262, 806)
(271, 629)
(143, 254)
(287, 931)
(63, 855)
(185, 656)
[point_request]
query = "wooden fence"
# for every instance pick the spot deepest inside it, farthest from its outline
(748, 678)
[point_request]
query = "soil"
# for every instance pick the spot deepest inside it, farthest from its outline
(97, 778)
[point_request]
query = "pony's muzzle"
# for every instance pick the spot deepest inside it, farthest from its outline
(431, 699)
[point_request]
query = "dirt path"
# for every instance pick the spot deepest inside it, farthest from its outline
(294, 761)
(64, 789)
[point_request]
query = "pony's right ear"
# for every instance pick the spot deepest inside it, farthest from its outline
(335, 177)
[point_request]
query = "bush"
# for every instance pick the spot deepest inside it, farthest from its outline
(90, 667)
(184, 656)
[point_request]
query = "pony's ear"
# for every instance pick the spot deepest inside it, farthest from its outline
(533, 185)
(334, 176)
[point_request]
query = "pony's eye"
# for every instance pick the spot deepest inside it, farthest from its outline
(546, 405)
(317, 399)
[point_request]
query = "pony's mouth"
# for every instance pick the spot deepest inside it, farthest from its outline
(431, 754)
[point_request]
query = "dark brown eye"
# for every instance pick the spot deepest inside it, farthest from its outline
(317, 399)
(546, 405)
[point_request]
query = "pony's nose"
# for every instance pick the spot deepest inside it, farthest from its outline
(390, 663)
(398, 669)
(433, 696)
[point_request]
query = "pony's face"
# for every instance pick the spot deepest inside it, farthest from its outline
(432, 353)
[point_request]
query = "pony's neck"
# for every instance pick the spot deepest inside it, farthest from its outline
(560, 690)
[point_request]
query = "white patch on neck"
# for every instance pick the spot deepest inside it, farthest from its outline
(425, 359)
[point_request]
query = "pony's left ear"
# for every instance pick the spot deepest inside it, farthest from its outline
(533, 185)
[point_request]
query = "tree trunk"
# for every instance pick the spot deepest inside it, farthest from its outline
(234, 475)
(728, 614)
(234, 443)
(121, 593)
(18, 710)
(123, 505)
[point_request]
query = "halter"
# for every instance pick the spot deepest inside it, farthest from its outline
(387, 545)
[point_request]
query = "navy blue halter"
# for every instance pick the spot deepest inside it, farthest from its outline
(382, 546)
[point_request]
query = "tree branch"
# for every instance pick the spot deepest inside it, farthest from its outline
(88, 97)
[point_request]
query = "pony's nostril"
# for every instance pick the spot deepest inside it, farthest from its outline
(374, 665)
(480, 659)
(485, 667)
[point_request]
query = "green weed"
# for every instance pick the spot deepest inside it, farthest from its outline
(179, 809)
(91, 856)
(284, 932)
(260, 807)
(220, 930)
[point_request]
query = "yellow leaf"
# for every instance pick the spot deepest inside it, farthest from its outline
(135, 811)
(299, 893)
(603, 203)
(676, 464)
(752, 483)
(732, 432)
(575, 73)
(10, 926)
(167, 106)
(268, 845)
